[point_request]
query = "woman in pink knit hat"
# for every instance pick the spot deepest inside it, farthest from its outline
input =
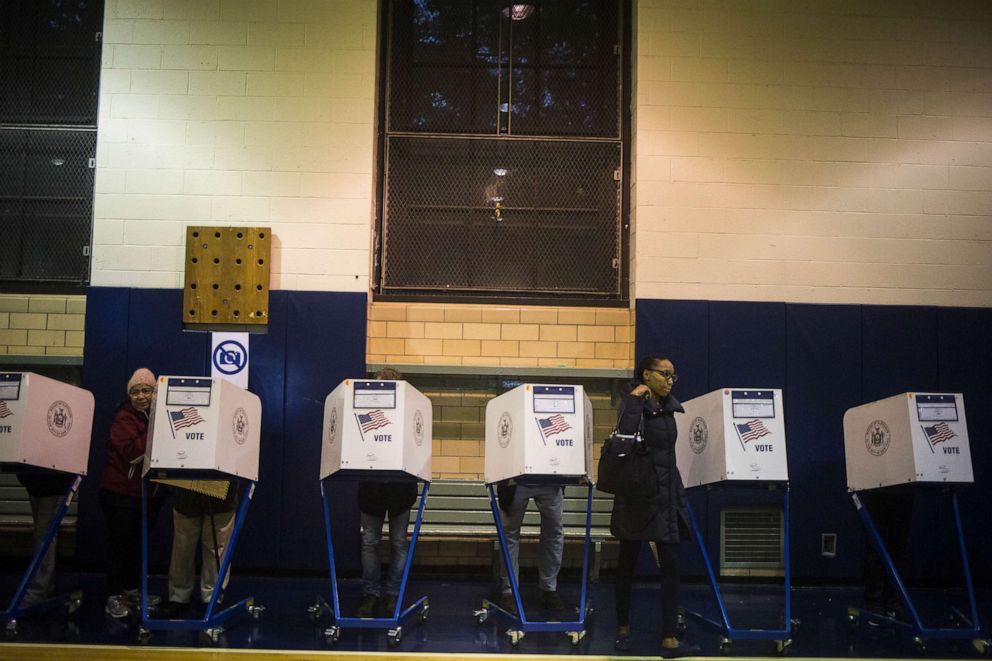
(120, 495)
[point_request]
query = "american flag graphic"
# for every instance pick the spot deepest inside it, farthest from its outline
(183, 418)
(751, 430)
(372, 420)
(939, 433)
(554, 425)
(4, 411)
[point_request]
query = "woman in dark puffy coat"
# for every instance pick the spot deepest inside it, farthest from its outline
(661, 519)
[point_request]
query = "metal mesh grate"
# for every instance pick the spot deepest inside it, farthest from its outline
(49, 61)
(46, 203)
(470, 67)
(751, 538)
(490, 215)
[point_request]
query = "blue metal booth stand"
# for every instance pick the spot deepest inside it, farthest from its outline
(71, 601)
(520, 625)
(393, 624)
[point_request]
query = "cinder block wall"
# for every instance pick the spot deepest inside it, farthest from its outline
(38, 325)
(815, 152)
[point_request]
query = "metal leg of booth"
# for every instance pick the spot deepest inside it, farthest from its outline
(211, 622)
(783, 636)
(519, 625)
(394, 623)
(71, 601)
(972, 626)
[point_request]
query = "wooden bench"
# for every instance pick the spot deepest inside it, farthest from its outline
(459, 509)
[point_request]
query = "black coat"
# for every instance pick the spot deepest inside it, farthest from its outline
(664, 517)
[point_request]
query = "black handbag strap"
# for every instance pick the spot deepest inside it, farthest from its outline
(640, 426)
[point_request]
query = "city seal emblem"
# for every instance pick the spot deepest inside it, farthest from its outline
(699, 435)
(239, 426)
(504, 430)
(59, 418)
(332, 426)
(877, 438)
(418, 428)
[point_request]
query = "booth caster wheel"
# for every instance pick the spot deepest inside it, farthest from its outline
(394, 636)
(576, 636)
(981, 646)
(725, 645)
(481, 615)
(74, 602)
(331, 635)
(919, 645)
(515, 636)
(11, 629)
(254, 612)
(782, 646)
(143, 635)
(314, 612)
(424, 611)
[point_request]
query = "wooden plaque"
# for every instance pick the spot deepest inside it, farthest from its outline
(227, 278)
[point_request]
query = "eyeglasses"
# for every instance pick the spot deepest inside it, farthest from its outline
(143, 390)
(665, 374)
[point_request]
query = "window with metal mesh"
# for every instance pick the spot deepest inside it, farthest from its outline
(49, 82)
(502, 150)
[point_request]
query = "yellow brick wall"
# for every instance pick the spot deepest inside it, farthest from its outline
(500, 336)
(459, 404)
(35, 325)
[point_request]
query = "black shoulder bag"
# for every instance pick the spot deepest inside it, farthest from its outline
(626, 467)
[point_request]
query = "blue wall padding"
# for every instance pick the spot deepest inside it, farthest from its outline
(314, 341)
(828, 358)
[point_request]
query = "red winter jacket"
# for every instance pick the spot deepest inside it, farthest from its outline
(128, 435)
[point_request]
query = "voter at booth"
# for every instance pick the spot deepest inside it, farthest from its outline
(663, 519)
(513, 499)
(45, 490)
(205, 520)
(120, 495)
(892, 509)
(376, 502)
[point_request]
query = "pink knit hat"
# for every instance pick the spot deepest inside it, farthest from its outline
(141, 377)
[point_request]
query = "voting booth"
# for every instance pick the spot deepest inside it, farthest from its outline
(911, 437)
(539, 430)
(203, 436)
(44, 425)
(375, 425)
(732, 434)
(202, 425)
(540, 433)
(918, 439)
(374, 430)
(736, 435)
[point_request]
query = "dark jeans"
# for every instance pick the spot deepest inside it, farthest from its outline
(123, 515)
(668, 562)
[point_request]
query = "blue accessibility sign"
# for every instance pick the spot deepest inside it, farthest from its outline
(230, 357)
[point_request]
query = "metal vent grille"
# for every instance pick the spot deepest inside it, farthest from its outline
(752, 541)
(491, 215)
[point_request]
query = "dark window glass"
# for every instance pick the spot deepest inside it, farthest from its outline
(502, 150)
(49, 84)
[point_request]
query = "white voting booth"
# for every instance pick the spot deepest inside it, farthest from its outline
(374, 430)
(202, 432)
(375, 425)
(736, 435)
(540, 430)
(44, 423)
(911, 437)
(202, 424)
(919, 439)
(732, 434)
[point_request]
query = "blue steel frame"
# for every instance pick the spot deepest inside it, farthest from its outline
(974, 627)
(521, 622)
(399, 614)
(724, 624)
(210, 619)
(14, 610)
